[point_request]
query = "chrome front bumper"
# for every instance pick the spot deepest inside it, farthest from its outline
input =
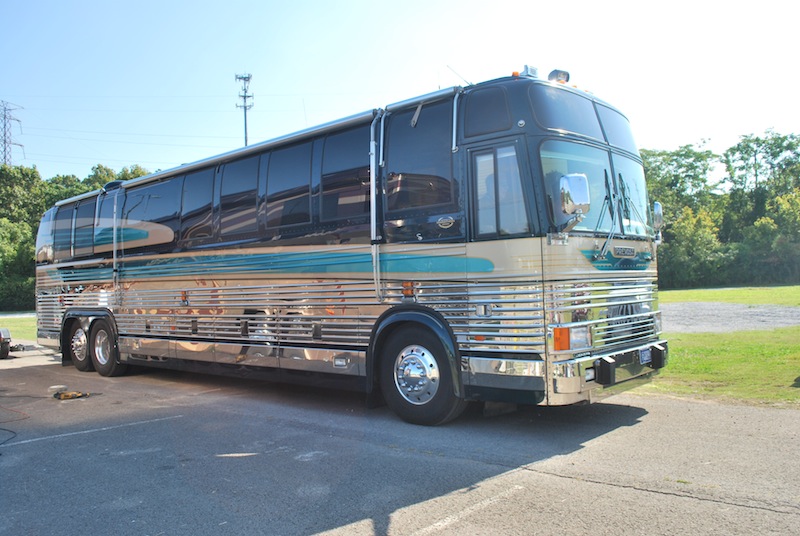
(569, 381)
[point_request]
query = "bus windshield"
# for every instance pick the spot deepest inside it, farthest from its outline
(618, 193)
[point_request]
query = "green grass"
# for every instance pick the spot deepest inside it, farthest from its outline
(756, 367)
(784, 296)
(21, 328)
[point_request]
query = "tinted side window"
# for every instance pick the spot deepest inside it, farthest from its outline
(44, 238)
(104, 229)
(62, 247)
(289, 186)
(345, 175)
(239, 198)
(487, 111)
(198, 194)
(419, 158)
(151, 214)
(84, 228)
(559, 109)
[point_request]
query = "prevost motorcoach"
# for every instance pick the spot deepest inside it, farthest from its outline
(491, 242)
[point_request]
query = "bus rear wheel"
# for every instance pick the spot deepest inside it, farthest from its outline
(416, 379)
(104, 351)
(79, 348)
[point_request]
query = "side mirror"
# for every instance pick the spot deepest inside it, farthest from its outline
(574, 201)
(658, 216)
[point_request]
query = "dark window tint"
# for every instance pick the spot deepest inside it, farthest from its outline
(345, 175)
(560, 109)
(345, 195)
(346, 150)
(104, 227)
(63, 232)
(289, 186)
(151, 214)
(618, 129)
(239, 200)
(44, 238)
(198, 194)
(418, 158)
(487, 111)
(84, 228)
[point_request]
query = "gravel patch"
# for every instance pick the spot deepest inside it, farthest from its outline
(716, 317)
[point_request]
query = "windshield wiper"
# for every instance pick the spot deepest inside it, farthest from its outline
(628, 205)
(613, 202)
(607, 202)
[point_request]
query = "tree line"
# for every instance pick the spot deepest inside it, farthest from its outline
(730, 219)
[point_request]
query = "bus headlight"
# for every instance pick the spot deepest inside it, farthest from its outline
(580, 337)
(574, 338)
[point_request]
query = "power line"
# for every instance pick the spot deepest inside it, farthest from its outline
(8, 141)
(245, 79)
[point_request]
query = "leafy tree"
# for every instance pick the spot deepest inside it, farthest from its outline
(61, 187)
(694, 257)
(679, 178)
(759, 168)
(16, 266)
(771, 161)
(99, 177)
(132, 172)
(21, 194)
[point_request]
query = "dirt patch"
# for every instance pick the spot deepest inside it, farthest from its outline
(716, 317)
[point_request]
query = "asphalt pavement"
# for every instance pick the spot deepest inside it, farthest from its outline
(160, 452)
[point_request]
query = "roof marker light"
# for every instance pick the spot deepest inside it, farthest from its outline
(557, 75)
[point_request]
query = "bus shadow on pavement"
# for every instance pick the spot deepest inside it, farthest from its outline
(326, 460)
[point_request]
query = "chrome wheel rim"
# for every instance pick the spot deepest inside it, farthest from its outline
(78, 345)
(102, 347)
(416, 375)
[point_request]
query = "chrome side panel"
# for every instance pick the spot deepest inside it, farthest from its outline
(313, 310)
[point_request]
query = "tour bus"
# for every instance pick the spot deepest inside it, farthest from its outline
(486, 243)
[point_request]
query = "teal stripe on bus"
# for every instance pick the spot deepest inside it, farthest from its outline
(280, 263)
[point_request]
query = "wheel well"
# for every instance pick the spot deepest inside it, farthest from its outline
(86, 319)
(417, 317)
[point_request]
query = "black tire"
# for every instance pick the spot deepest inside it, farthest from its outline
(79, 348)
(5, 348)
(104, 351)
(416, 379)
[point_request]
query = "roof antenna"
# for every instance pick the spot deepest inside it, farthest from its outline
(461, 77)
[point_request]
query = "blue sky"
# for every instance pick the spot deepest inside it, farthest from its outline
(153, 82)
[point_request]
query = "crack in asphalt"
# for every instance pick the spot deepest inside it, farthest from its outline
(795, 510)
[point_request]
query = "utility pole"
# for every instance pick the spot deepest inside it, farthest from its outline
(244, 95)
(6, 108)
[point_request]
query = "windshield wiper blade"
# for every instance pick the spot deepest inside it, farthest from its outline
(628, 205)
(613, 202)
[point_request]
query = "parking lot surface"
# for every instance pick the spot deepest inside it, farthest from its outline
(159, 452)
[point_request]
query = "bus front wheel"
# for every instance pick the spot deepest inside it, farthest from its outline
(416, 379)
(103, 349)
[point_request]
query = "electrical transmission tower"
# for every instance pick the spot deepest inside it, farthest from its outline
(8, 142)
(244, 95)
